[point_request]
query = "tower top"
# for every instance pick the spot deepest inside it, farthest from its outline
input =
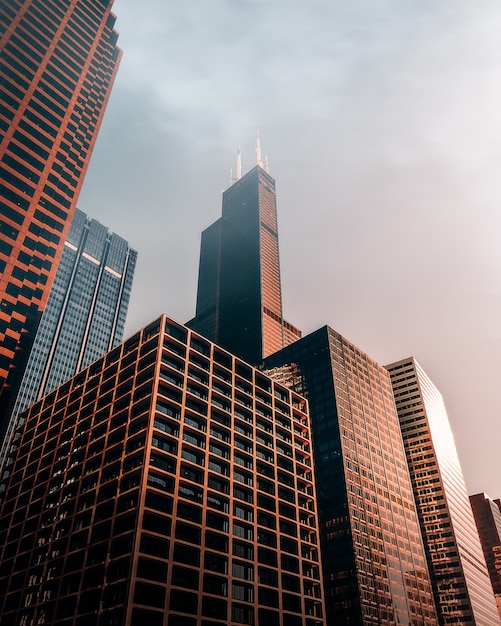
(258, 151)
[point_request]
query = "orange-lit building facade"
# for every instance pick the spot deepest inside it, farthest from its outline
(463, 591)
(168, 484)
(57, 64)
(374, 564)
(239, 299)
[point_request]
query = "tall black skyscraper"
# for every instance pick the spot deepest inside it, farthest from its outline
(239, 300)
(57, 65)
(374, 563)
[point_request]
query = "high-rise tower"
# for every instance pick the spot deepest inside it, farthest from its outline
(57, 65)
(239, 299)
(374, 564)
(461, 583)
(85, 313)
(167, 484)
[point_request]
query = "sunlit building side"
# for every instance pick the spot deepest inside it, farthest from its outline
(487, 514)
(374, 565)
(58, 61)
(85, 313)
(167, 484)
(458, 570)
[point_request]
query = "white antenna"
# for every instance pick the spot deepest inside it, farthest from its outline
(239, 163)
(266, 164)
(258, 151)
(231, 176)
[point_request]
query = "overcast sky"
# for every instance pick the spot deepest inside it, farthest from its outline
(382, 125)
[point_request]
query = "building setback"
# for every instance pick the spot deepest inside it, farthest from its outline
(85, 313)
(487, 514)
(461, 584)
(239, 299)
(168, 484)
(374, 564)
(57, 66)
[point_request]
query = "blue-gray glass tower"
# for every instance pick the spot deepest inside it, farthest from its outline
(86, 310)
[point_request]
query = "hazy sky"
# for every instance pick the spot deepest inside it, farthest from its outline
(382, 124)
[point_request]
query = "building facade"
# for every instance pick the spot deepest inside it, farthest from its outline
(461, 583)
(57, 66)
(168, 484)
(239, 299)
(85, 313)
(374, 564)
(487, 514)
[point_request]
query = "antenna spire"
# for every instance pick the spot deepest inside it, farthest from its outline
(258, 151)
(239, 163)
(266, 164)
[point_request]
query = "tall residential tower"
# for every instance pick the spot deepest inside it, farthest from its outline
(58, 61)
(85, 313)
(239, 300)
(461, 583)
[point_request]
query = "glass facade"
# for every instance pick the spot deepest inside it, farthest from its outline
(239, 300)
(459, 574)
(57, 64)
(374, 564)
(85, 313)
(167, 484)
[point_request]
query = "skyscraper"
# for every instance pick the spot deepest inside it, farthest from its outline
(374, 564)
(167, 484)
(487, 514)
(239, 299)
(57, 64)
(85, 313)
(461, 584)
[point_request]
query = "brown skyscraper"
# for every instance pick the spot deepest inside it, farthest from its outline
(57, 64)
(168, 484)
(239, 300)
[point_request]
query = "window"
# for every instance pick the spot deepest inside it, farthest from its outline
(243, 531)
(216, 563)
(243, 477)
(240, 591)
(189, 533)
(243, 550)
(215, 585)
(242, 614)
(243, 512)
(183, 602)
(217, 502)
(243, 570)
(215, 541)
(184, 577)
(219, 522)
